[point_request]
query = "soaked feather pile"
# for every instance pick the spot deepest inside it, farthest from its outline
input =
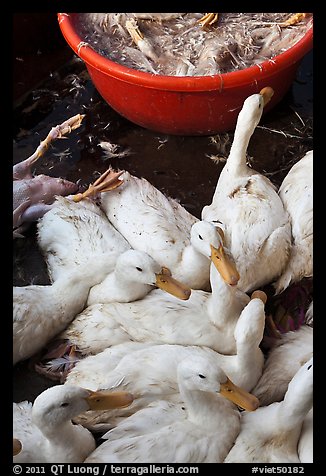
(175, 44)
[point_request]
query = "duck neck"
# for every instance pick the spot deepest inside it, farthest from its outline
(70, 291)
(116, 287)
(59, 433)
(75, 285)
(248, 352)
(193, 260)
(98, 294)
(222, 301)
(202, 408)
(129, 290)
(294, 407)
(248, 355)
(68, 440)
(83, 277)
(236, 162)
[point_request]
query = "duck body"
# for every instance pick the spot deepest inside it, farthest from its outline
(295, 348)
(255, 244)
(205, 319)
(256, 226)
(146, 436)
(158, 225)
(268, 447)
(73, 232)
(276, 440)
(94, 370)
(188, 444)
(141, 371)
(41, 312)
(296, 193)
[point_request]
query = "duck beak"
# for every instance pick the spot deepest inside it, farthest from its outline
(224, 265)
(170, 285)
(106, 400)
(259, 295)
(267, 94)
(17, 447)
(240, 397)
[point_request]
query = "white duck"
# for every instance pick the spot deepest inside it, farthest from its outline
(246, 366)
(45, 431)
(70, 233)
(296, 193)
(150, 371)
(204, 319)
(160, 226)
(201, 429)
(40, 312)
(290, 352)
(271, 434)
(305, 444)
(257, 228)
(134, 276)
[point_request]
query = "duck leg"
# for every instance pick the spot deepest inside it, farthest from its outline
(142, 43)
(208, 19)
(107, 181)
(22, 170)
(294, 19)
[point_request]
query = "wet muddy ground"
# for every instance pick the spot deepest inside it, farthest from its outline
(51, 84)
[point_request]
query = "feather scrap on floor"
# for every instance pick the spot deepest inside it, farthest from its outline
(110, 150)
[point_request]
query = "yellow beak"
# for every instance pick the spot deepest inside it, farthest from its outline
(170, 285)
(224, 265)
(267, 94)
(106, 400)
(239, 396)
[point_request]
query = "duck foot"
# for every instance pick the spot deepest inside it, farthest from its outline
(208, 19)
(109, 180)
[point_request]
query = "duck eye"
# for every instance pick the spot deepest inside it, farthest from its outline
(139, 269)
(65, 404)
(200, 237)
(308, 368)
(201, 376)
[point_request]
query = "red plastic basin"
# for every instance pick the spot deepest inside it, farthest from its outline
(200, 105)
